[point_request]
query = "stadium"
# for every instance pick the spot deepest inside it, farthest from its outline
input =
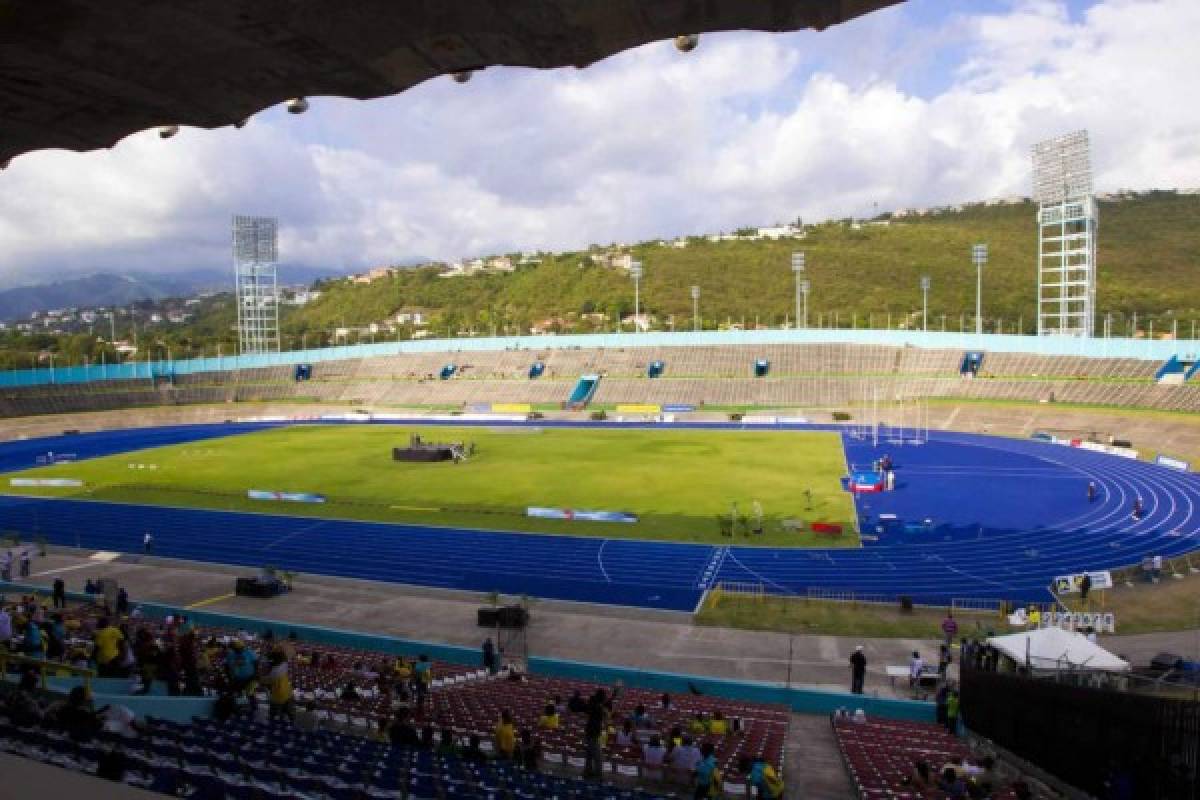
(792, 562)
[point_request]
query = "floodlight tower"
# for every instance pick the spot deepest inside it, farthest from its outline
(798, 270)
(925, 284)
(979, 255)
(255, 258)
(695, 308)
(1067, 221)
(805, 286)
(635, 272)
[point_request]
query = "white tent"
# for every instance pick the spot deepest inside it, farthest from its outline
(1048, 648)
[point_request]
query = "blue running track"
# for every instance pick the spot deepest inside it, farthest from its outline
(972, 516)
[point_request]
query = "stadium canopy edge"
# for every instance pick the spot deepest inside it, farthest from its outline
(83, 75)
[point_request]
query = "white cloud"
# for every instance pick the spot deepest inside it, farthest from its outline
(750, 128)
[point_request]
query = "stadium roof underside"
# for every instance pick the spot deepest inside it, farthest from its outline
(79, 74)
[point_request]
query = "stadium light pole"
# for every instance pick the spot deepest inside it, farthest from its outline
(635, 272)
(925, 283)
(979, 255)
(798, 270)
(695, 308)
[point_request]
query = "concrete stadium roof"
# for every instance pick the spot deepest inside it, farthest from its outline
(81, 74)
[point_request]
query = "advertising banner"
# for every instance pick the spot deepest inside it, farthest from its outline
(638, 408)
(1173, 463)
(1100, 621)
(511, 408)
(60, 482)
(1068, 584)
(678, 408)
(286, 497)
(542, 512)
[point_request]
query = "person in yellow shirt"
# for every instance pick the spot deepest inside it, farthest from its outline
(107, 640)
(549, 721)
(717, 725)
(506, 736)
(698, 726)
(402, 670)
(279, 687)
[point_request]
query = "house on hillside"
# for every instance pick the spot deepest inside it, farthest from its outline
(500, 264)
(639, 322)
(416, 317)
(374, 274)
(788, 231)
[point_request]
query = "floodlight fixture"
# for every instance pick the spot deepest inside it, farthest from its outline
(687, 42)
(255, 256)
(1067, 224)
(979, 256)
(1062, 168)
(167, 131)
(297, 105)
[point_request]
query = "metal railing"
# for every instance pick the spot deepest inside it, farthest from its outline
(43, 667)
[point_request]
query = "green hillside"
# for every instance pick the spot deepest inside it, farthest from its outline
(1149, 258)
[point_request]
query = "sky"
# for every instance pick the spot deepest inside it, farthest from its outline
(930, 102)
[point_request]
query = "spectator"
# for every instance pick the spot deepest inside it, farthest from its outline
(121, 721)
(952, 704)
(33, 646)
(25, 563)
(241, 667)
(593, 732)
(107, 641)
(665, 702)
(1085, 586)
(90, 587)
(761, 777)
(473, 754)
(653, 756)
(529, 752)
(707, 775)
(858, 670)
(944, 659)
(627, 736)
(686, 756)
(6, 566)
(915, 667)
(147, 543)
(718, 726)
(447, 747)
(279, 688)
(577, 704)
(402, 732)
(943, 693)
(6, 626)
(76, 717)
(949, 627)
(641, 718)
(549, 720)
(922, 776)
(699, 725)
(422, 678)
(505, 736)
(349, 693)
(21, 705)
(951, 784)
(122, 602)
(427, 738)
(489, 656)
(56, 638)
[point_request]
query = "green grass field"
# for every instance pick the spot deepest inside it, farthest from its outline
(677, 482)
